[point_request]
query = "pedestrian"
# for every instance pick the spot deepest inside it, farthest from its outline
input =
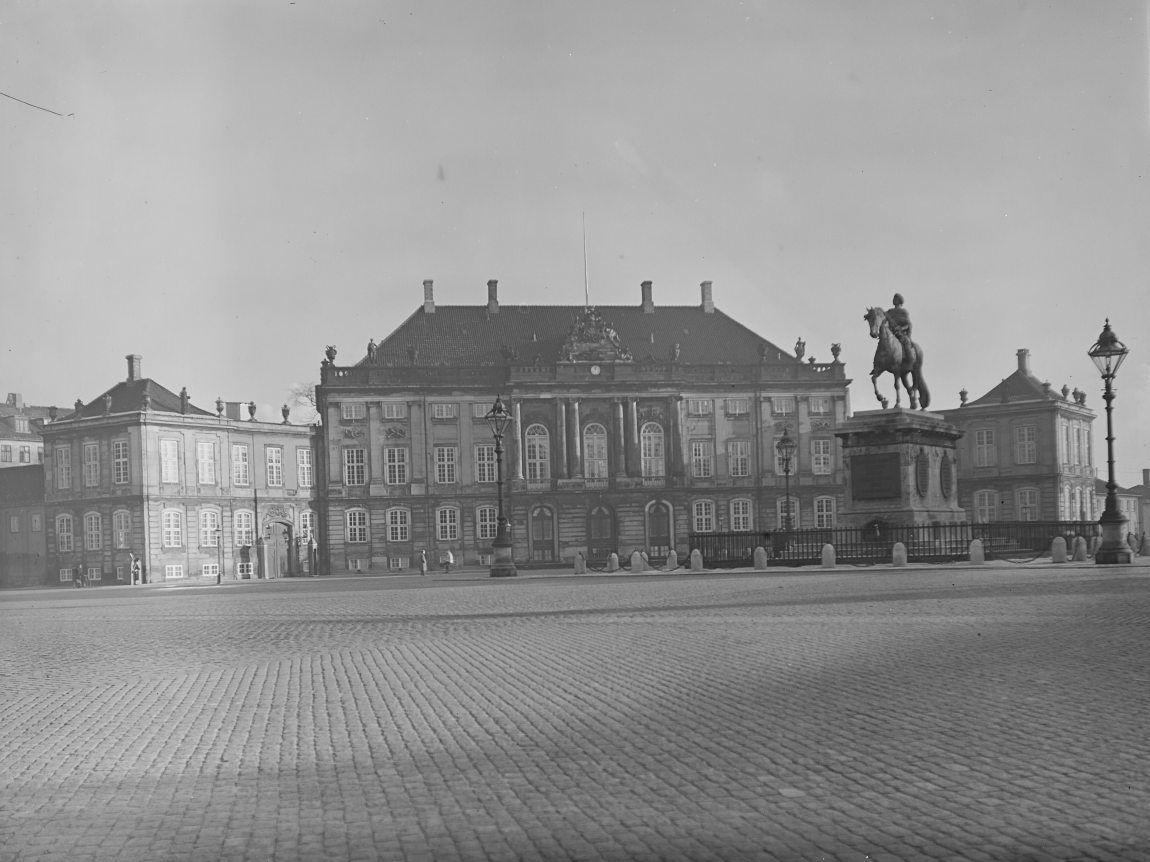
(423, 562)
(137, 577)
(448, 561)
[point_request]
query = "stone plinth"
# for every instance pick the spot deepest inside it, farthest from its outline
(900, 468)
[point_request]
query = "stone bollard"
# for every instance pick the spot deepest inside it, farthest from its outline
(1144, 551)
(696, 560)
(637, 564)
(580, 564)
(613, 562)
(1079, 549)
(672, 560)
(1058, 550)
(829, 556)
(898, 554)
(977, 554)
(761, 558)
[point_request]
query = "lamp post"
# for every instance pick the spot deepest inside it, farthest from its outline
(219, 555)
(1108, 354)
(502, 565)
(786, 447)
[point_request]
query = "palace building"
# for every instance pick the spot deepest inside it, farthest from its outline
(634, 427)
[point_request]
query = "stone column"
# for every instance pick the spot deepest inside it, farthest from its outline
(578, 441)
(620, 440)
(518, 425)
(561, 428)
(675, 435)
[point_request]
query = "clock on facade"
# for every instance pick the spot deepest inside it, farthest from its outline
(595, 369)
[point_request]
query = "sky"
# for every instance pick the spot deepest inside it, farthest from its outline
(225, 188)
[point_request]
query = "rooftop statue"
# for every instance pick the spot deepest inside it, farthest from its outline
(897, 354)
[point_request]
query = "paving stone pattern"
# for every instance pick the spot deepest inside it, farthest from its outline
(931, 713)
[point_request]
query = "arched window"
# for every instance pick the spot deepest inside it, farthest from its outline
(538, 452)
(486, 523)
(703, 512)
(356, 524)
(307, 525)
(741, 515)
(1067, 507)
(398, 525)
(1027, 504)
(121, 528)
(985, 506)
(447, 523)
(93, 531)
(824, 512)
(244, 526)
(209, 528)
(595, 451)
(172, 528)
(651, 444)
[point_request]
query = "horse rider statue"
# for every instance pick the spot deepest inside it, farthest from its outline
(899, 320)
(897, 354)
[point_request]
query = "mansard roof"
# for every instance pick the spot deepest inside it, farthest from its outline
(1019, 386)
(128, 396)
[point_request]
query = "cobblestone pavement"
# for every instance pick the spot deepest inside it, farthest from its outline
(928, 713)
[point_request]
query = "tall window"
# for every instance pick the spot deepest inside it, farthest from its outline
(244, 527)
(36, 522)
(985, 506)
(6, 452)
(538, 452)
(486, 523)
(394, 410)
(443, 411)
(1067, 448)
(702, 459)
(352, 410)
(699, 406)
(822, 457)
(91, 465)
(739, 458)
(741, 515)
(303, 469)
(446, 458)
(1080, 445)
(703, 512)
(1067, 507)
(784, 405)
(395, 461)
(595, 451)
(63, 532)
(63, 468)
(170, 461)
(14, 524)
(738, 406)
(209, 528)
(651, 450)
(780, 461)
(824, 512)
(121, 528)
(398, 525)
(206, 462)
(1028, 504)
(781, 512)
(120, 462)
(1025, 444)
(275, 465)
(241, 474)
(985, 453)
(307, 525)
(447, 523)
(93, 531)
(356, 520)
(820, 405)
(26, 455)
(172, 528)
(485, 462)
(355, 466)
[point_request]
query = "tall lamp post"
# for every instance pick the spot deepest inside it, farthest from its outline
(786, 446)
(219, 554)
(1108, 354)
(502, 566)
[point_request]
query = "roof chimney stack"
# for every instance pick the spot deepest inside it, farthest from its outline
(648, 302)
(428, 296)
(493, 297)
(1145, 480)
(708, 301)
(134, 361)
(1024, 360)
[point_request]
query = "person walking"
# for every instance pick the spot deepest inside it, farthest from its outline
(448, 561)
(423, 563)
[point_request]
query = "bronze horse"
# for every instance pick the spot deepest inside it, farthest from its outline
(905, 366)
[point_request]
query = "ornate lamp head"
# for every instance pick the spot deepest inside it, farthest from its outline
(1108, 352)
(498, 418)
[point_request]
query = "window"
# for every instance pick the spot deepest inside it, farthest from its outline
(485, 463)
(240, 472)
(209, 528)
(398, 525)
(353, 410)
(703, 512)
(205, 462)
(595, 451)
(780, 467)
(741, 515)
(91, 465)
(21, 424)
(985, 506)
(699, 406)
(6, 452)
(93, 532)
(356, 521)
(702, 459)
(120, 462)
(303, 470)
(538, 451)
(447, 523)
(479, 409)
(26, 455)
(275, 463)
(651, 450)
(244, 526)
(1080, 446)
(169, 461)
(394, 410)
(784, 507)
(355, 466)
(307, 526)
(63, 533)
(63, 468)
(244, 570)
(13, 523)
(1028, 504)
(1068, 512)
(783, 405)
(119, 573)
(210, 570)
(37, 523)
(172, 528)
(174, 572)
(486, 523)
(398, 563)
(820, 405)
(985, 454)
(443, 410)
(1067, 449)
(65, 575)
(95, 573)
(738, 406)
(395, 461)
(121, 528)
(445, 464)
(822, 456)
(739, 458)
(1025, 444)
(824, 512)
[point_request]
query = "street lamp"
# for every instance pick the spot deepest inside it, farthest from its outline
(1108, 354)
(219, 554)
(502, 566)
(786, 447)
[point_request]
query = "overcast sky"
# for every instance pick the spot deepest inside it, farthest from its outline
(234, 185)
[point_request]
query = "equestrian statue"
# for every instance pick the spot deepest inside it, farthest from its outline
(898, 354)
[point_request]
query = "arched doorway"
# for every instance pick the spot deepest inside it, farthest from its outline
(658, 531)
(542, 535)
(278, 546)
(601, 539)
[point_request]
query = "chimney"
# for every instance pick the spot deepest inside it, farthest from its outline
(134, 360)
(232, 409)
(493, 297)
(15, 399)
(184, 399)
(708, 301)
(1024, 360)
(648, 302)
(1145, 480)
(428, 296)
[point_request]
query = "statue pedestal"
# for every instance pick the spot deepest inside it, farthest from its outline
(900, 468)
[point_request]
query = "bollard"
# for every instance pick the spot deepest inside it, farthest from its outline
(672, 561)
(898, 554)
(828, 556)
(613, 562)
(1058, 550)
(696, 560)
(761, 558)
(637, 564)
(1079, 549)
(1144, 551)
(977, 554)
